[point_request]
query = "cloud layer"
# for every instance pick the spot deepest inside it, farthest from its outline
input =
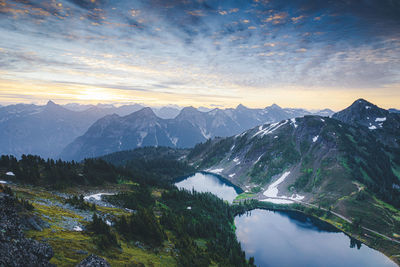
(199, 51)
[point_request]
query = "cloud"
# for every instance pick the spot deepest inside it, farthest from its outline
(216, 46)
(277, 18)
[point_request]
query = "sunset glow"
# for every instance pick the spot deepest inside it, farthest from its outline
(310, 54)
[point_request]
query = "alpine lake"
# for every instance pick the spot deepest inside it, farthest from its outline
(287, 238)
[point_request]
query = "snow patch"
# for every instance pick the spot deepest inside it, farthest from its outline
(380, 119)
(293, 122)
(189, 208)
(236, 160)
(108, 222)
(78, 228)
(204, 133)
(315, 138)
(97, 196)
(10, 174)
(275, 136)
(296, 197)
(142, 136)
(231, 175)
(272, 190)
(258, 160)
(2, 182)
(217, 171)
(372, 127)
(277, 201)
(269, 129)
(174, 140)
(367, 107)
(322, 120)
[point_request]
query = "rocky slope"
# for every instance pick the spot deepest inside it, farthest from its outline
(15, 248)
(93, 261)
(315, 151)
(383, 124)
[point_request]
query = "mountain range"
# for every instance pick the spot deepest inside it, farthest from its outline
(191, 126)
(344, 162)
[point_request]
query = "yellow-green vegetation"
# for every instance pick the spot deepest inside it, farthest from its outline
(372, 213)
(113, 211)
(69, 246)
(156, 193)
(129, 182)
(54, 213)
(245, 195)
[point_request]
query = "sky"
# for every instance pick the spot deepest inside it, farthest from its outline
(296, 53)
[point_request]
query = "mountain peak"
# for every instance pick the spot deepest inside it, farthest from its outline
(240, 106)
(145, 112)
(51, 103)
(274, 106)
(53, 107)
(362, 102)
(364, 113)
(188, 111)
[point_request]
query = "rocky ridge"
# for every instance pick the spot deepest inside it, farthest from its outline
(15, 248)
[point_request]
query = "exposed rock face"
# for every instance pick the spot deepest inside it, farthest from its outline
(15, 248)
(191, 126)
(385, 125)
(93, 261)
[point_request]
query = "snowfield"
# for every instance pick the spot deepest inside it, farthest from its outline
(272, 190)
(272, 193)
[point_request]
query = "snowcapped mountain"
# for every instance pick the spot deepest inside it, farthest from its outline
(384, 124)
(317, 160)
(189, 127)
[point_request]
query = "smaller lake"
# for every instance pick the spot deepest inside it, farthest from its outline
(293, 239)
(206, 182)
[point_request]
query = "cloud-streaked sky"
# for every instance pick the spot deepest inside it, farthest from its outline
(299, 53)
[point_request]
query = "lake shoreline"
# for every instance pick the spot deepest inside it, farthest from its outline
(243, 203)
(334, 223)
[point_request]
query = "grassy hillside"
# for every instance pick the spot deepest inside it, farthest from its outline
(143, 224)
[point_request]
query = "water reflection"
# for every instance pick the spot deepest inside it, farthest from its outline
(293, 239)
(205, 182)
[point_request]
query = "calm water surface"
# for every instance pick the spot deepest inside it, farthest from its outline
(205, 182)
(287, 238)
(292, 239)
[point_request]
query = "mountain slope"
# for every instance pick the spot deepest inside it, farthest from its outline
(383, 124)
(42, 130)
(142, 128)
(321, 155)
(189, 127)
